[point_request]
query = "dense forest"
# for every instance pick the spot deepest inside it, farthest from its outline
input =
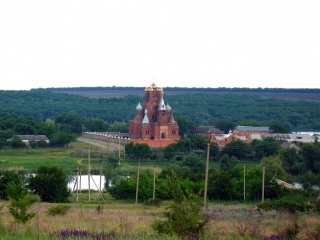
(199, 107)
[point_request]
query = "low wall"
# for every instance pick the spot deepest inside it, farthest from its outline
(114, 137)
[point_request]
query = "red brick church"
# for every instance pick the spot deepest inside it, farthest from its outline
(154, 123)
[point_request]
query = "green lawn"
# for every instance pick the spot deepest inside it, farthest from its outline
(31, 159)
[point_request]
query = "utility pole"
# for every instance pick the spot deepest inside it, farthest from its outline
(154, 184)
(206, 178)
(244, 182)
(263, 179)
(137, 187)
(89, 173)
(119, 148)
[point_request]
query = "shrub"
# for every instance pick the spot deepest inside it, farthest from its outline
(290, 206)
(153, 202)
(58, 210)
(185, 217)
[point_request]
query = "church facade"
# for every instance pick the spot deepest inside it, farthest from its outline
(154, 119)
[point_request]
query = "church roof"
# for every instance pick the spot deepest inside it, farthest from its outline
(162, 106)
(145, 119)
(153, 87)
(139, 107)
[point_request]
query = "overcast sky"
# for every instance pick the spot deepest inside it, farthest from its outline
(214, 43)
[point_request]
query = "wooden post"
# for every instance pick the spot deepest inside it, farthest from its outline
(89, 178)
(263, 179)
(206, 178)
(154, 185)
(244, 182)
(137, 187)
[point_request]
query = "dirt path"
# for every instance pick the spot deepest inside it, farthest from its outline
(105, 146)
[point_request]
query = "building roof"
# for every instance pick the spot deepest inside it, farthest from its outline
(33, 137)
(207, 130)
(251, 128)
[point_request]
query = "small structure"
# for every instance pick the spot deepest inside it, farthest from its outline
(36, 138)
(209, 132)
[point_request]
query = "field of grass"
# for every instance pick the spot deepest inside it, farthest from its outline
(127, 220)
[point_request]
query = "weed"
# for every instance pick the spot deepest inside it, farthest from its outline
(58, 210)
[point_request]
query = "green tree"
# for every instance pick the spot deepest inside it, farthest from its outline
(289, 158)
(221, 185)
(274, 167)
(265, 148)
(69, 123)
(20, 202)
(137, 150)
(16, 142)
(6, 177)
(184, 217)
(227, 162)
(169, 151)
(61, 138)
(310, 153)
(96, 125)
(51, 184)
(214, 150)
(185, 126)
(237, 149)
(194, 167)
(224, 124)
(120, 127)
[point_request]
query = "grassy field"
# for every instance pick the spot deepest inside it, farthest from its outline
(30, 159)
(127, 220)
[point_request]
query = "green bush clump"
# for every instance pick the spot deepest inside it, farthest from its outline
(58, 210)
(290, 206)
(153, 202)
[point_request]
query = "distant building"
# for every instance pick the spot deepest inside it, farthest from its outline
(209, 132)
(248, 130)
(154, 119)
(29, 138)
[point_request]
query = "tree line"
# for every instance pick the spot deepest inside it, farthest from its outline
(206, 108)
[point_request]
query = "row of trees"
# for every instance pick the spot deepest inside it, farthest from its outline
(207, 108)
(226, 182)
(49, 183)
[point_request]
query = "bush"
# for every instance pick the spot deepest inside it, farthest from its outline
(153, 202)
(290, 206)
(58, 210)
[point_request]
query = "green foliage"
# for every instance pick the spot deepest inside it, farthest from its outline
(51, 184)
(274, 166)
(61, 138)
(137, 150)
(68, 122)
(58, 210)
(237, 149)
(184, 217)
(16, 142)
(153, 202)
(227, 162)
(20, 202)
(214, 150)
(7, 177)
(185, 125)
(169, 151)
(96, 125)
(194, 167)
(221, 185)
(289, 205)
